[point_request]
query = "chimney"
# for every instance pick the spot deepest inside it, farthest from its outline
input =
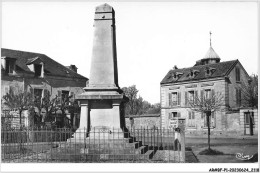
(175, 67)
(73, 68)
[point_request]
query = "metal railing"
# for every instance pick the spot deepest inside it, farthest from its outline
(98, 145)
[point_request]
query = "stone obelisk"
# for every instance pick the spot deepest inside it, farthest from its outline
(102, 103)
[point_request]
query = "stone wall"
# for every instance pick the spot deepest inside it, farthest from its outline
(147, 122)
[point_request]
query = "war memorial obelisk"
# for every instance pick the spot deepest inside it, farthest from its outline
(102, 103)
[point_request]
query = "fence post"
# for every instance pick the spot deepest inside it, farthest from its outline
(181, 125)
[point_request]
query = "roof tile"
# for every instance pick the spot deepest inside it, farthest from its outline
(220, 70)
(52, 67)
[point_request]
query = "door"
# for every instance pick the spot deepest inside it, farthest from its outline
(249, 123)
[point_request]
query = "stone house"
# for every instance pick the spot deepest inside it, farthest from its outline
(206, 77)
(38, 74)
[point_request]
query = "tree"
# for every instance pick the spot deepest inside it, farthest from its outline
(131, 93)
(154, 109)
(137, 105)
(249, 92)
(52, 106)
(48, 104)
(207, 105)
(20, 101)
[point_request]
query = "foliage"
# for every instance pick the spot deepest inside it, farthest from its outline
(40, 110)
(137, 105)
(207, 105)
(57, 105)
(20, 101)
(250, 92)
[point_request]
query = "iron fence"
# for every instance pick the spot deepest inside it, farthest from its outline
(99, 145)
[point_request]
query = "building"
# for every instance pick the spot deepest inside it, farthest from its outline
(39, 74)
(208, 76)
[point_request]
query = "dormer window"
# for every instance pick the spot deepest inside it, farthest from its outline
(37, 70)
(36, 65)
(177, 75)
(209, 71)
(9, 65)
(193, 73)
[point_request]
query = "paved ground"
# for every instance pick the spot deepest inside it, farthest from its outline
(245, 146)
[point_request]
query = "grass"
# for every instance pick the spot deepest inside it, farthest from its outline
(210, 152)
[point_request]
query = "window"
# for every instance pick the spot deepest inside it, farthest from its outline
(37, 93)
(9, 66)
(174, 98)
(191, 119)
(63, 95)
(38, 70)
(247, 116)
(173, 115)
(237, 74)
(212, 120)
(208, 71)
(191, 96)
(207, 93)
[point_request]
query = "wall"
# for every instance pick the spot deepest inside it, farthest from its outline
(217, 85)
(144, 122)
(234, 84)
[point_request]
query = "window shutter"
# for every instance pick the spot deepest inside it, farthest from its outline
(178, 114)
(59, 97)
(170, 99)
(193, 115)
(196, 97)
(189, 115)
(212, 92)
(179, 98)
(186, 98)
(170, 115)
(202, 115)
(202, 95)
(238, 74)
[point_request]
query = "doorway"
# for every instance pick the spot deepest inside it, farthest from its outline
(249, 123)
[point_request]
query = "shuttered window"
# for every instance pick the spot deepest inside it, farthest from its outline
(237, 74)
(179, 98)
(212, 119)
(191, 119)
(238, 97)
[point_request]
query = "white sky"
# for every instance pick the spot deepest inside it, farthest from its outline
(152, 37)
